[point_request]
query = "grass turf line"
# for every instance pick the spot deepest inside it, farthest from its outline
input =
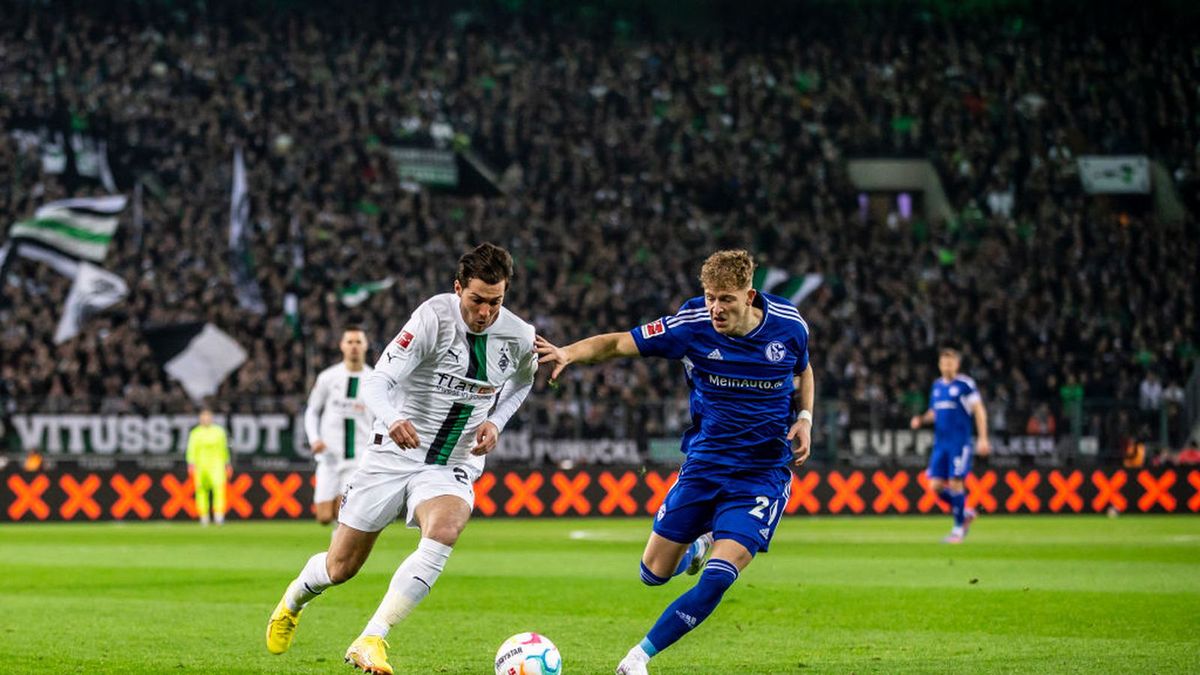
(837, 595)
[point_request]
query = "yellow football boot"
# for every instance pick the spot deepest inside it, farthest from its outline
(369, 654)
(281, 628)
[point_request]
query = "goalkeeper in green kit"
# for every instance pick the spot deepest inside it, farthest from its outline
(208, 466)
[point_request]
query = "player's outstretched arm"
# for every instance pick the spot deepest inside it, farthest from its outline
(596, 349)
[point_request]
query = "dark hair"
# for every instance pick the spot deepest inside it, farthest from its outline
(487, 262)
(952, 349)
(353, 327)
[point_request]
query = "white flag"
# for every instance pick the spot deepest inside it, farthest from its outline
(204, 362)
(93, 291)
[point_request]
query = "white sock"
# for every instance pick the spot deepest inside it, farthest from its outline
(638, 653)
(313, 579)
(410, 584)
(957, 531)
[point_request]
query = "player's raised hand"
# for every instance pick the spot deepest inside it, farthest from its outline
(801, 435)
(404, 434)
(548, 353)
(485, 438)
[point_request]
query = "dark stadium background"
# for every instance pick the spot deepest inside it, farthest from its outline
(922, 158)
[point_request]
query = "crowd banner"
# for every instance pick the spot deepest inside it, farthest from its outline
(136, 494)
(906, 442)
(272, 434)
(1115, 174)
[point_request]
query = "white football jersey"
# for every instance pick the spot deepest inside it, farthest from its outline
(445, 379)
(337, 415)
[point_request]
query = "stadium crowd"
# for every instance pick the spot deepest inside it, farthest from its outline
(627, 154)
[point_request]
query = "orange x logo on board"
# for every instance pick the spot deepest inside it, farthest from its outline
(79, 496)
(802, 493)
(235, 496)
(979, 491)
(1066, 491)
(1108, 491)
(483, 500)
(618, 493)
(130, 496)
(1194, 479)
(524, 493)
(891, 492)
(659, 489)
(929, 498)
(845, 492)
(1022, 491)
(180, 496)
(570, 493)
(28, 497)
(1158, 490)
(281, 495)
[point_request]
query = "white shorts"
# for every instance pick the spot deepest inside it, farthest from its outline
(332, 478)
(381, 492)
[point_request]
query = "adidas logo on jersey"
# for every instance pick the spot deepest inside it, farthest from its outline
(765, 533)
(715, 355)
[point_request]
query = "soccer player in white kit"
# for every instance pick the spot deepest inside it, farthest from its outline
(338, 423)
(441, 394)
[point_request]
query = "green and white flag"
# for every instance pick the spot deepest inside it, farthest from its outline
(81, 228)
(776, 281)
(356, 294)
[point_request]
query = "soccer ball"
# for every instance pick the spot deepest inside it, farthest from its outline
(528, 654)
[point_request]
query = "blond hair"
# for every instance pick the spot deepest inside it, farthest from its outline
(731, 270)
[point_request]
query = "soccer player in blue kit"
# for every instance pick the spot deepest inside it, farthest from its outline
(953, 402)
(745, 354)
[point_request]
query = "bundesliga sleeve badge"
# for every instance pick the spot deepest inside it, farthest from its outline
(653, 328)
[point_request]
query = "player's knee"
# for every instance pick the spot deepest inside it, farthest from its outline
(650, 578)
(444, 533)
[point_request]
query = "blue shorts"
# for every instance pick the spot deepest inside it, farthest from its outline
(950, 461)
(744, 505)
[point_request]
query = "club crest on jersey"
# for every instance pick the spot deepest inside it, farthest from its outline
(405, 339)
(954, 391)
(653, 328)
(775, 351)
(505, 360)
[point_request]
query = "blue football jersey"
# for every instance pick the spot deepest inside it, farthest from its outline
(952, 403)
(741, 387)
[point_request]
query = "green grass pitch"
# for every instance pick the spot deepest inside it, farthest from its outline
(835, 595)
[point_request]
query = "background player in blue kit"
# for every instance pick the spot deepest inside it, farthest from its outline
(746, 358)
(953, 402)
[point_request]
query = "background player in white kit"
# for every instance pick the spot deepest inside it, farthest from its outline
(459, 356)
(338, 423)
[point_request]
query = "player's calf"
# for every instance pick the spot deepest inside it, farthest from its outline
(688, 611)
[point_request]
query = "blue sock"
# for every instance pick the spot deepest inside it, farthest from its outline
(692, 608)
(946, 497)
(650, 578)
(688, 556)
(958, 504)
